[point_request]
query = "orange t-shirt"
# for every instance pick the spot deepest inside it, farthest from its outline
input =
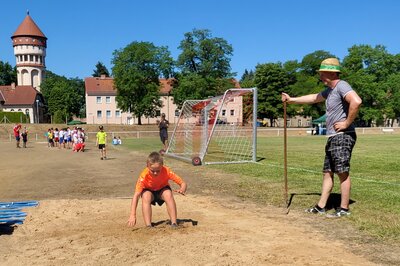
(147, 181)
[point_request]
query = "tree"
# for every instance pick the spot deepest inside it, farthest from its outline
(247, 79)
(304, 80)
(368, 69)
(64, 97)
(137, 69)
(271, 80)
(304, 85)
(392, 98)
(205, 62)
(311, 62)
(8, 74)
(100, 69)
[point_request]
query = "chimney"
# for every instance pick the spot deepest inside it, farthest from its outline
(13, 86)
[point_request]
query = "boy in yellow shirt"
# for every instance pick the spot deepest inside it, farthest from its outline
(101, 141)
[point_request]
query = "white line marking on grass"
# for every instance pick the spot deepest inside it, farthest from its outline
(352, 176)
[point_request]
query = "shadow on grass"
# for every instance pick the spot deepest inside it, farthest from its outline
(260, 159)
(332, 203)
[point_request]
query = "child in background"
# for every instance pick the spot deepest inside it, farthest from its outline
(101, 140)
(24, 136)
(61, 138)
(56, 136)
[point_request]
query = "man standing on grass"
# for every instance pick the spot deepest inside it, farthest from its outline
(342, 105)
(163, 126)
(101, 140)
(17, 134)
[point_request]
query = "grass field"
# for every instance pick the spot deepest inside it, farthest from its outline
(375, 198)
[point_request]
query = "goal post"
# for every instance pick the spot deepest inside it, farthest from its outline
(218, 130)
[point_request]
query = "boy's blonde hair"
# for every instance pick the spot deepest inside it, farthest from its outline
(155, 157)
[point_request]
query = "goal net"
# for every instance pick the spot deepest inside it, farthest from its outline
(221, 129)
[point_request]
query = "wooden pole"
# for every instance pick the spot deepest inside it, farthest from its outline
(285, 154)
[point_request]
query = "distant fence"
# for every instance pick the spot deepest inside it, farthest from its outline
(90, 136)
(261, 132)
(309, 131)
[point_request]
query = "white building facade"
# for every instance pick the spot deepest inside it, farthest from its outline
(101, 105)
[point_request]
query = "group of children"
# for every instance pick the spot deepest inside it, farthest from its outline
(116, 141)
(66, 138)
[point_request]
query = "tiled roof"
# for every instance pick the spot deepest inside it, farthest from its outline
(104, 86)
(28, 28)
(166, 86)
(235, 83)
(100, 86)
(20, 95)
(2, 98)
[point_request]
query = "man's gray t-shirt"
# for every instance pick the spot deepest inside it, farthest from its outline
(337, 109)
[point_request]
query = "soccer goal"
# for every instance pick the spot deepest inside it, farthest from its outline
(217, 130)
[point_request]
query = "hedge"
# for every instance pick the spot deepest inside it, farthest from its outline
(14, 117)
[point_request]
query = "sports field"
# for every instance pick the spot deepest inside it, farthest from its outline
(232, 214)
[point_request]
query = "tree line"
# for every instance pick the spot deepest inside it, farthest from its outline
(203, 69)
(372, 71)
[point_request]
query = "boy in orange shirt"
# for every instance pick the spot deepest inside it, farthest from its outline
(153, 187)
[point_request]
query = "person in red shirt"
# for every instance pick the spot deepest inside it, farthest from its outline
(17, 135)
(153, 186)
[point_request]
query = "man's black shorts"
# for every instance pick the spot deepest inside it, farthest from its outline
(102, 146)
(338, 151)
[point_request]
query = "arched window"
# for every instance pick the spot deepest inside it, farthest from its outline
(35, 78)
(25, 77)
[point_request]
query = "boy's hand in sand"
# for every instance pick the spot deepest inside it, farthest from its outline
(132, 221)
(180, 191)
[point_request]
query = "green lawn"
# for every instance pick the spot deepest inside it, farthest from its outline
(374, 171)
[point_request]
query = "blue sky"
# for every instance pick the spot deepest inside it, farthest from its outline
(82, 32)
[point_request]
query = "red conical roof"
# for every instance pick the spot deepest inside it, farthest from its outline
(28, 27)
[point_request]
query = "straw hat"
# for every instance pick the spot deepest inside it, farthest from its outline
(330, 65)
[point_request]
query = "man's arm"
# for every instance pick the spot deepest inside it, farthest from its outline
(306, 99)
(354, 105)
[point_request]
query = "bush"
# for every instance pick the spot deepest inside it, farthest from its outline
(14, 117)
(59, 117)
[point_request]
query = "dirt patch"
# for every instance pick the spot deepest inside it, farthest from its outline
(85, 203)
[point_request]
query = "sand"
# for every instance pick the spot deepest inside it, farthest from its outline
(85, 204)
